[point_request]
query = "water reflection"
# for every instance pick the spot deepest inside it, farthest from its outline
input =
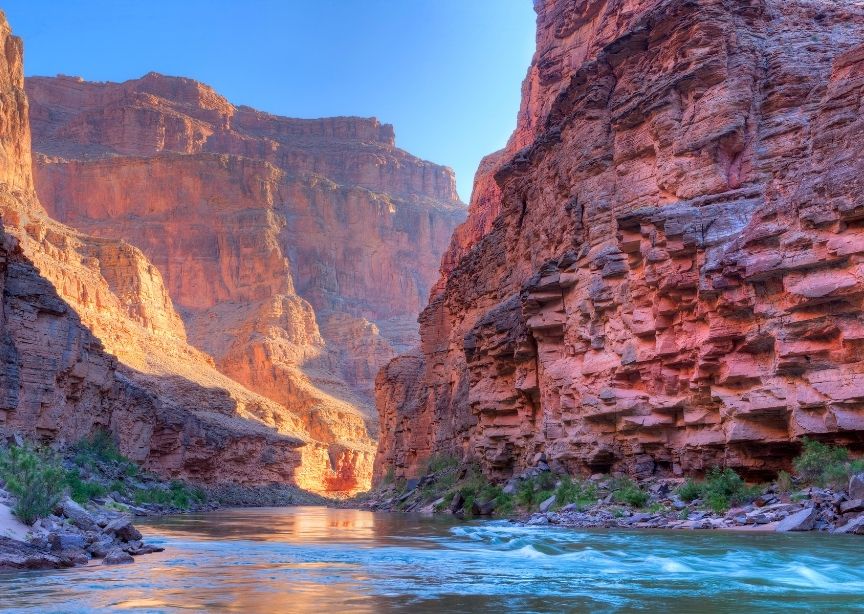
(323, 560)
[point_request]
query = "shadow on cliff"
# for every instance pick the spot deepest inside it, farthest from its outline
(59, 384)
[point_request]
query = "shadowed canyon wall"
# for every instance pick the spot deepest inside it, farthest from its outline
(662, 271)
(172, 313)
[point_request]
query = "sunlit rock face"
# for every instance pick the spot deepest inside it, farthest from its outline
(89, 338)
(663, 269)
(297, 253)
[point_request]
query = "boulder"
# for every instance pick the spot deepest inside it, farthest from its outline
(854, 526)
(855, 505)
(856, 486)
(66, 541)
(457, 502)
(123, 529)
(799, 521)
(117, 557)
(80, 517)
(101, 547)
(548, 503)
(16, 554)
(485, 509)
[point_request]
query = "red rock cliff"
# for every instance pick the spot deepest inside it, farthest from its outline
(663, 269)
(90, 338)
(298, 252)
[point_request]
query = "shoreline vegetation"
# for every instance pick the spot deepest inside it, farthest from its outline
(70, 507)
(61, 509)
(825, 493)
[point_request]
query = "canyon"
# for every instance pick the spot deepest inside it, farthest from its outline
(214, 285)
(662, 270)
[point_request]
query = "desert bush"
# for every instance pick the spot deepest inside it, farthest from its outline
(572, 491)
(826, 465)
(723, 488)
(178, 494)
(80, 490)
(690, 490)
(626, 491)
(35, 478)
(784, 482)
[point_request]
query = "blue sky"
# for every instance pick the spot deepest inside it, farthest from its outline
(446, 73)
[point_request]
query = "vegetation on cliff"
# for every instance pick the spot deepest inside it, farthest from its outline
(91, 470)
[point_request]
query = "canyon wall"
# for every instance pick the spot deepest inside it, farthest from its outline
(298, 252)
(170, 314)
(66, 296)
(662, 271)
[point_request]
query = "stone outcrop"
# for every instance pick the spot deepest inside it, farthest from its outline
(297, 252)
(91, 336)
(661, 272)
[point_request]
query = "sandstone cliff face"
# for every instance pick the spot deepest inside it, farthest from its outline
(297, 252)
(90, 338)
(662, 270)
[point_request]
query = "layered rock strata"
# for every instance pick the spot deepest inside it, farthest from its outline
(662, 270)
(298, 252)
(90, 339)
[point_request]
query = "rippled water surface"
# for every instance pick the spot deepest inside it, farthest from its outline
(312, 559)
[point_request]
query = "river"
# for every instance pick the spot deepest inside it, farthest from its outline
(315, 559)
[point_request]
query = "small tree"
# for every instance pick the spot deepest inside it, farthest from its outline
(36, 480)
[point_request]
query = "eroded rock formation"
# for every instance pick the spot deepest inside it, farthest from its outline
(662, 270)
(95, 334)
(298, 252)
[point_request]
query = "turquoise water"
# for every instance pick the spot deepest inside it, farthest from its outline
(313, 559)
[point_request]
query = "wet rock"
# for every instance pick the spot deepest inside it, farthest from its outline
(538, 520)
(100, 548)
(145, 549)
(117, 557)
(16, 554)
(457, 503)
(799, 521)
(123, 529)
(78, 515)
(855, 505)
(66, 541)
(548, 503)
(485, 509)
(856, 486)
(854, 526)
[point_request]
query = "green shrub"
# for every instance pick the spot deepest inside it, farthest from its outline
(570, 491)
(784, 482)
(723, 488)
(99, 446)
(826, 465)
(441, 462)
(177, 495)
(81, 491)
(35, 478)
(626, 491)
(690, 490)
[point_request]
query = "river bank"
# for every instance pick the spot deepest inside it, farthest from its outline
(320, 559)
(825, 495)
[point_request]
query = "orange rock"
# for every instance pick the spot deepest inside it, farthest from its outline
(170, 314)
(661, 271)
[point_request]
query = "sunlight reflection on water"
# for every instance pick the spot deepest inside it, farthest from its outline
(316, 559)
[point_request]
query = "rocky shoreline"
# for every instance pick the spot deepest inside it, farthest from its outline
(825, 495)
(822, 510)
(73, 535)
